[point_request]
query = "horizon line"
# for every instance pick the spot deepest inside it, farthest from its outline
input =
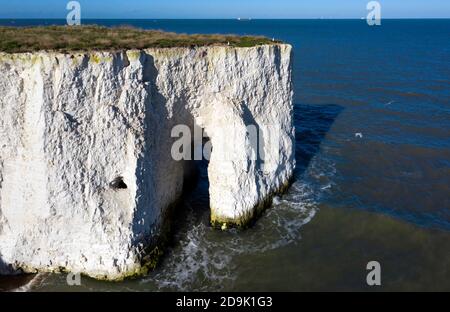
(243, 19)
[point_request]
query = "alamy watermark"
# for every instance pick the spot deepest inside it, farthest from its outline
(259, 143)
(374, 276)
(73, 279)
(74, 15)
(374, 15)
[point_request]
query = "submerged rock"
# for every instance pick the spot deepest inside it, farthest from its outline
(87, 176)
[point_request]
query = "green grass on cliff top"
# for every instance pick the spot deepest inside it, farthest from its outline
(86, 38)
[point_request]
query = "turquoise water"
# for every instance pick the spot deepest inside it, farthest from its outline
(372, 116)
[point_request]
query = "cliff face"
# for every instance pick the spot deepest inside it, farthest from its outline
(86, 172)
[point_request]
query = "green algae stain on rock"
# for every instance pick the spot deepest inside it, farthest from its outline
(246, 220)
(134, 55)
(98, 58)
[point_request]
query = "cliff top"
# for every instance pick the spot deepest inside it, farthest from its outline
(82, 38)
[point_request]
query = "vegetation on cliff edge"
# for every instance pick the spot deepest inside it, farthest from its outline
(87, 38)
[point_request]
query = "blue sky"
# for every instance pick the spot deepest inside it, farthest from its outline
(224, 8)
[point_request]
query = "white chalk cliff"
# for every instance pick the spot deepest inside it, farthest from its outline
(86, 172)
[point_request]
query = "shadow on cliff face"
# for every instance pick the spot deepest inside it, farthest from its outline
(312, 123)
(194, 206)
(5, 269)
(157, 132)
(2, 266)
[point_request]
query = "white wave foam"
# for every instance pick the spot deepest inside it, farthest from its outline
(196, 257)
(205, 257)
(37, 280)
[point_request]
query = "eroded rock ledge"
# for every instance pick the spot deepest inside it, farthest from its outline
(86, 173)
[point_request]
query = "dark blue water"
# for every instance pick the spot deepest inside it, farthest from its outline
(372, 115)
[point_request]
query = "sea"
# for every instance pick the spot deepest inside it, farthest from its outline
(372, 118)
